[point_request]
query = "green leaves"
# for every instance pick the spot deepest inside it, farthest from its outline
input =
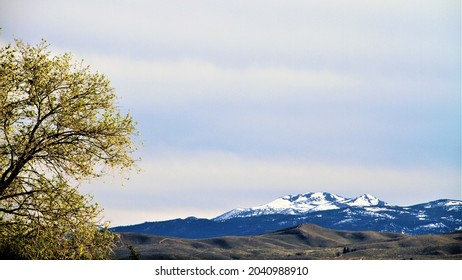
(57, 225)
(58, 123)
(61, 110)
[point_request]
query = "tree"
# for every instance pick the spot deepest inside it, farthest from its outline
(346, 250)
(59, 124)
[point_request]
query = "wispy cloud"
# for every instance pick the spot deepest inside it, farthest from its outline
(166, 81)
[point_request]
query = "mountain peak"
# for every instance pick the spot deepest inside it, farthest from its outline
(304, 203)
(311, 197)
(365, 200)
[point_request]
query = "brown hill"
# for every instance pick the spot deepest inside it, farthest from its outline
(301, 242)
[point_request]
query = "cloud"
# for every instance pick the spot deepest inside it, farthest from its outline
(207, 170)
(171, 82)
(304, 112)
(329, 34)
(161, 82)
(299, 112)
(156, 51)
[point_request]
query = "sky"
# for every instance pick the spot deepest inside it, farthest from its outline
(241, 102)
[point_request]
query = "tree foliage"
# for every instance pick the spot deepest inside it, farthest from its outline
(59, 124)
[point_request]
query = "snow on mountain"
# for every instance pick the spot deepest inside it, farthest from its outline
(450, 204)
(365, 200)
(304, 203)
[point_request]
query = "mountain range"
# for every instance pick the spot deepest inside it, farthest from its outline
(365, 212)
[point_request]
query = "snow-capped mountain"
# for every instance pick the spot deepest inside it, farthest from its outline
(304, 203)
(364, 212)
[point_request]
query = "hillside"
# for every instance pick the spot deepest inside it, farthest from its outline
(301, 242)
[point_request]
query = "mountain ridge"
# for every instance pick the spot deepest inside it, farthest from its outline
(365, 212)
(304, 203)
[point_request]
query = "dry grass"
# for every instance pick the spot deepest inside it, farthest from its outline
(301, 242)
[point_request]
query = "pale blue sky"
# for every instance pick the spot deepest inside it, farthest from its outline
(240, 102)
